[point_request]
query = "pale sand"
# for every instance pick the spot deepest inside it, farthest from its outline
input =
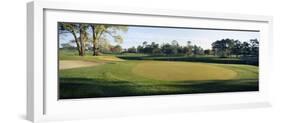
(68, 64)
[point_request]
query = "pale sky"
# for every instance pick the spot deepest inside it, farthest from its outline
(201, 37)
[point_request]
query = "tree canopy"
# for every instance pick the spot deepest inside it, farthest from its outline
(99, 32)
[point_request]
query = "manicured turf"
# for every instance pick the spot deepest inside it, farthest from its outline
(179, 71)
(137, 78)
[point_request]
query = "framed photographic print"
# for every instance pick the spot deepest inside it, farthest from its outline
(98, 61)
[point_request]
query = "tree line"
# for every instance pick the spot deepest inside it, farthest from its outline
(229, 47)
(91, 34)
(221, 48)
(172, 48)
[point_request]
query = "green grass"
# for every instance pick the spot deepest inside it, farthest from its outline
(177, 71)
(132, 74)
(205, 59)
(138, 78)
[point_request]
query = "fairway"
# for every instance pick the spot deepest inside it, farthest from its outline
(178, 71)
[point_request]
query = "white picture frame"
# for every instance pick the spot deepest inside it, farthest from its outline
(42, 104)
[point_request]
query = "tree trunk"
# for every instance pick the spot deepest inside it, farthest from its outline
(95, 48)
(82, 47)
(77, 43)
(95, 51)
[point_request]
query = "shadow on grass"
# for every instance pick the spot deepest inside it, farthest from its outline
(248, 61)
(71, 88)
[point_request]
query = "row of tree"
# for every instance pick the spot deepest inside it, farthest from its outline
(229, 47)
(221, 48)
(91, 34)
(172, 48)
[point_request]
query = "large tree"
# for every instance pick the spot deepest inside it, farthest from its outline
(83, 37)
(74, 30)
(79, 33)
(101, 31)
(223, 47)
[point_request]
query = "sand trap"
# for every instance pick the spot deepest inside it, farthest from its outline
(68, 64)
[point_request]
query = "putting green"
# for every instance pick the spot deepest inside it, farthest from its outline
(178, 71)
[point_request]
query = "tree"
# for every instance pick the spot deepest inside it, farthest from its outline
(197, 50)
(132, 50)
(104, 31)
(236, 49)
(207, 52)
(245, 49)
(104, 46)
(167, 49)
(94, 41)
(83, 37)
(72, 29)
(155, 48)
(139, 49)
(254, 44)
(144, 43)
(223, 47)
(79, 32)
(116, 49)
(175, 47)
(189, 48)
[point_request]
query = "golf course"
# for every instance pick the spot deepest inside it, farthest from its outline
(110, 76)
(107, 60)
